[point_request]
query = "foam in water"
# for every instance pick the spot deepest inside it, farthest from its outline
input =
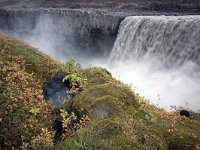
(160, 56)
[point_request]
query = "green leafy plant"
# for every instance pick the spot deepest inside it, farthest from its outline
(33, 118)
(34, 111)
(71, 66)
(72, 77)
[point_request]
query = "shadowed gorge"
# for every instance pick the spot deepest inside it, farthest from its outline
(63, 33)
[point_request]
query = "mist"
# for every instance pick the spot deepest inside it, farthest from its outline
(64, 33)
(163, 87)
(89, 42)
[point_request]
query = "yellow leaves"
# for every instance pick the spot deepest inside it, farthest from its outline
(170, 130)
(40, 96)
(10, 108)
(21, 82)
(170, 115)
(44, 140)
(82, 123)
(70, 123)
(66, 119)
(45, 133)
(198, 146)
(6, 46)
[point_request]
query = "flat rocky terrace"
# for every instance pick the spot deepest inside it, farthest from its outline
(136, 6)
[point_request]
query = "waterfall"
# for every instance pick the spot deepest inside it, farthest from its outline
(63, 33)
(172, 39)
(160, 57)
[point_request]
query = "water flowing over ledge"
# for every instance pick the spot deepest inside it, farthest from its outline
(173, 39)
(160, 56)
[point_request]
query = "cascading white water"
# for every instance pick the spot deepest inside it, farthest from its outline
(172, 39)
(160, 56)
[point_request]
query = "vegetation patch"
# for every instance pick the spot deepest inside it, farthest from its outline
(103, 113)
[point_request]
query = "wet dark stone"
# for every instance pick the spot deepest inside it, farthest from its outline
(1, 142)
(185, 113)
(54, 90)
(57, 127)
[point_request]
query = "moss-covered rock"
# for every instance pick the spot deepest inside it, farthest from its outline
(119, 118)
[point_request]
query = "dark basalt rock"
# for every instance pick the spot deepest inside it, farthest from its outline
(57, 127)
(185, 113)
(100, 110)
(116, 5)
(54, 90)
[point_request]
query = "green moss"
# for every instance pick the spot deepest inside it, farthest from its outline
(115, 96)
(23, 71)
(33, 60)
(119, 118)
(25, 55)
(85, 140)
(137, 124)
(114, 134)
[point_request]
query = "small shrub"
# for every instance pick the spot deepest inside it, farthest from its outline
(71, 66)
(71, 123)
(72, 77)
(34, 111)
(43, 141)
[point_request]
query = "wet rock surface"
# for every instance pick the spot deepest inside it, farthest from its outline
(188, 113)
(54, 91)
(64, 33)
(100, 110)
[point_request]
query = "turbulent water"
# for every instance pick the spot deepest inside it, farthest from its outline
(160, 55)
(174, 40)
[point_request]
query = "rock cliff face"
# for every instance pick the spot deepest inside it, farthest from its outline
(63, 32)
(88, 28)
(87, 34)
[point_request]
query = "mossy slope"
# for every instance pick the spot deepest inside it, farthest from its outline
(119, 118)
(22, 73)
